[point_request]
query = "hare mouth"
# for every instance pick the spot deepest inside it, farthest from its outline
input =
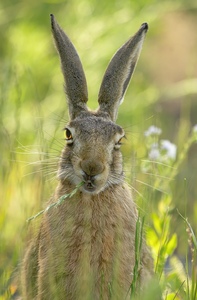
(89, 183)
(89, 186)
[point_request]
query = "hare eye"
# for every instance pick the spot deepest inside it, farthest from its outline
(118, 144)
(68, 135)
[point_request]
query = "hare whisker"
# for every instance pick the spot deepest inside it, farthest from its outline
(158, 163)
(135, 190)
(157, 175)
(153, 187)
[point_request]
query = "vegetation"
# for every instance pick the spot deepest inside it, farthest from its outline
(158, 115)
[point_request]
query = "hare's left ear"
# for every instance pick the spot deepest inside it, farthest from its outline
(119, 72)
(75, 81)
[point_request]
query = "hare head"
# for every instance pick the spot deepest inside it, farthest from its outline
(92, 152)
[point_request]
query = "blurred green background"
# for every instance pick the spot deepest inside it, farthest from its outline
(163, 92)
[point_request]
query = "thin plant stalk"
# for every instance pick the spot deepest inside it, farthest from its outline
(56, 204)
(138, 247)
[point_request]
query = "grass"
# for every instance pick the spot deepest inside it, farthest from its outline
(55, 204)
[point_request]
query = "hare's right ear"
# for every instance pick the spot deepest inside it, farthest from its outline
(119, 72)
(75, 81)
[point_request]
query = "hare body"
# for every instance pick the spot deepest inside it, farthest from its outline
(85, 248)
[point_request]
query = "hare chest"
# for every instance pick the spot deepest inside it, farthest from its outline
(86, 248)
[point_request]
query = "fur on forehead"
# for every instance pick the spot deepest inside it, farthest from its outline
(92, 123)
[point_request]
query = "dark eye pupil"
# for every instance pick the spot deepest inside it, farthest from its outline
(68, 134)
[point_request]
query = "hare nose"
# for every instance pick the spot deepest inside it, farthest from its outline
(91, 167)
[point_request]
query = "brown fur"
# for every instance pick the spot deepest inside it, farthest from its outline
(85, 248)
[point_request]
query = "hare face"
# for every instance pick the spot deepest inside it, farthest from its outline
(92, 153)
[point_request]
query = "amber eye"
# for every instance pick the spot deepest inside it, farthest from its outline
(68, 135)
(118, 144)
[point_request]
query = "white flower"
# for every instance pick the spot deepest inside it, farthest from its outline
(194, 129)
(152, 130)
(169, 148)
(154, 154)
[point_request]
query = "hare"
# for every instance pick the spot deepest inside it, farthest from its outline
(85, 248)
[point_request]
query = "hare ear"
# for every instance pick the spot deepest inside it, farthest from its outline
(119, 72)
(75, 81)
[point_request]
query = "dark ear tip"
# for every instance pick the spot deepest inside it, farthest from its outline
(52, 20)
(144, 26)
